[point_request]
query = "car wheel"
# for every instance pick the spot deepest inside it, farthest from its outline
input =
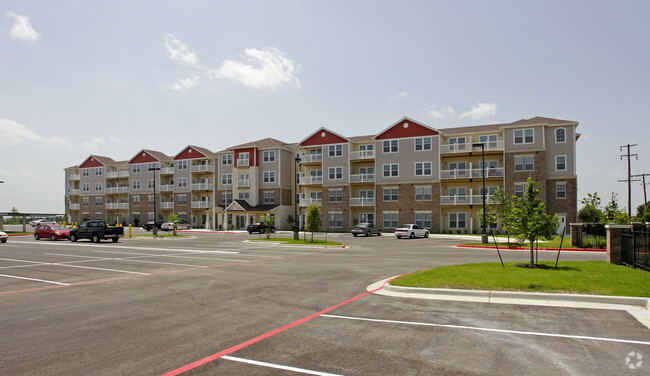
(95, 239)
(73, 238)
(272, 230)
(426, 234)
(189, 227)
(250, 232)
(3, 240)
(52, 238)
(379, 233)
(412, 235)
(399, 237)
(36, 236)
(355, 235)
(115, 240)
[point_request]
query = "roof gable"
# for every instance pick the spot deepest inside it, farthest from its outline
(323, 136)
(406, 128)
(191, 152)
(145, 156)
(97, 161)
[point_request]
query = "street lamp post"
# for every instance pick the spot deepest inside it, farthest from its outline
(155, 229)
(296, 234)
(484, 236)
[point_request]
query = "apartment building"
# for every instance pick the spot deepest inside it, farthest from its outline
(407, 173)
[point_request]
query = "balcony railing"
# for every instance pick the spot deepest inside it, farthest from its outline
(466, 147)
(74, 191)
(114, 190)
(202, 186)
(243, 183)
(491, 172)
(362, 178)
(117, 205)
(362, 201)
(75, 177)
(166, 170)
(455, 174)
(309, 201)
(243, 162)
(166, 187)
(201, 204)
(362, 154)
(465, 200)
(203, 168)
(311, 158)
(117, 174)
(307, 180)
(166, 205)
(75, 206)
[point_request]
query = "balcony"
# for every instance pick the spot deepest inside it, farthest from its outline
(203, 168)
(310, 180)
(167, 205)
(202, 187)
(362, 178)
(117, 174)
(243, 162)
(117, 205)
(75, 206)
(243, 183)
(74, 191)
(201, 204)
(311, 158)
(465, 200)
(494, 172)
(115, 190)
(75, 177)
(309, 201)
(166, 171)
(455, 174)
(467, 147)
(166, 187)
(362, 201)
(362, 154)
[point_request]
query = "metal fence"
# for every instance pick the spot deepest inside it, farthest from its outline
(594, 235)
(635, 249)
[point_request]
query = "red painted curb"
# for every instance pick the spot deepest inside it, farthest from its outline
(528, 249)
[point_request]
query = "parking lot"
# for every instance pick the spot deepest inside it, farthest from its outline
(218, 304)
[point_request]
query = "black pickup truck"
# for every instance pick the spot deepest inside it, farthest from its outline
(96, 231)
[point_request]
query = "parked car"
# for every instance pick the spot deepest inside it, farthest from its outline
(180, 225)
(259, 227)
(96, 231)
(411, 231)
(52, 232)
(149, 226)
(37, 222)
(3, 237)
(366, 229)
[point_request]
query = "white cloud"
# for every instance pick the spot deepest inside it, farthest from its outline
(442, 113)
(480, 111)
(400, 95)
(22, 29)
(15, 134)
(93, 144)
(265, 69)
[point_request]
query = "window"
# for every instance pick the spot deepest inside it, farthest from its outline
(98, 201)
(391, 170)
(423, 193)
(226, 198)
(336, 195)
(456, 143)
(152, 165)
(98, 171)
(226, 179)
(367, 193)
(490, 190)
(457, 191)
(135, 168)
(150, 184)
(423, 219)
(391, 194)
(244, 195)
(269, 177)
(226, 159)
(422, 168)
(560, 135)
(336, 220)
(182, 165)
(457, 220)
(336, 173)
(268, 156)
(423, 143)
(390, 146)
(390, 220)
(150, 200)
(99, 216)
(85, 172)
(524, 136)
(85, 201)
(182, 182)
(136, 200)
(182, 199)
(458, 169)
(560, 163)
(519, 189)
(269, 197)
(136, 184)
(524, 163)
(490, 141)
(335, 150)
(560, 190)
(85, 187)
(98, 186)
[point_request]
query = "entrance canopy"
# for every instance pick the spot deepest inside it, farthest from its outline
(24, 217)
(244, 209)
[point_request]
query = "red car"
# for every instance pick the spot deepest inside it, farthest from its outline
(51, 231)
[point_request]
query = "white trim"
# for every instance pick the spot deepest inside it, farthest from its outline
(565, 162)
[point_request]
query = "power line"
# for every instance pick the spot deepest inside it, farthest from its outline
(642, 176)
(629, 175)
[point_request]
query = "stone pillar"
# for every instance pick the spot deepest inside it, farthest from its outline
(576, 234)
(614, 242)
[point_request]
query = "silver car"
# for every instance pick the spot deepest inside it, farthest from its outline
(366, 229)
(3, 237)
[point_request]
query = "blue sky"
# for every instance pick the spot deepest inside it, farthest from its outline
(113, 77)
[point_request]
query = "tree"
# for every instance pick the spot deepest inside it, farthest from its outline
(532, 221)
(591, 212)
(174, 218)
(490, 218)
(643, 212)
(504, 211)
(613, 214)
(268, 220)
(313, 219)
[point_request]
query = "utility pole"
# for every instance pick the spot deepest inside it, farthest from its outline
(642, 176)
(629, 176)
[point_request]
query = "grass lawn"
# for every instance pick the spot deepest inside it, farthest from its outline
(572, 277)
(555, 243)
(160, 236)
(301, 241)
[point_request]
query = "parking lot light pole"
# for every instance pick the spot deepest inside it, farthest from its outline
(155, 229)
(296, 197)
(484, 236)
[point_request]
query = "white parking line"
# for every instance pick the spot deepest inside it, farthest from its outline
(489, 329)
(277, 366)
(34, 279)
(104, 269)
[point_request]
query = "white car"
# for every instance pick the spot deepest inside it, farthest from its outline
(411, 231)
(41, 222)
(3, 237)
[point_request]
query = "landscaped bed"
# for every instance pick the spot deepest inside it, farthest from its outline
(573, 277)
(301, 241)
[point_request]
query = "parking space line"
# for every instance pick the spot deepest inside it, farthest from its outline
(604, 339)
(165, 263)
(278, 366)
(34, 279)
(94, 268)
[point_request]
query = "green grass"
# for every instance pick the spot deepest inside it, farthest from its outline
(160, 236)
(555, 243)
(573, 277)
(301, 241)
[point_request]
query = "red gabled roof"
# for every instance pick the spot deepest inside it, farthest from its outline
(323, 136)
(148, 156)
(194, 152)
(97, 161)
(406, 128)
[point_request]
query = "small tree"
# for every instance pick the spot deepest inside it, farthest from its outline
(533, 222)
(490, 218)
(504, 211)
(313, 219)
(291, 220)
(268, 220)
(591, 212)
(174, 218)
(643, 212)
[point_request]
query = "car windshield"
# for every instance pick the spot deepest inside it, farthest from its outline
(405, 227)
(57, 227)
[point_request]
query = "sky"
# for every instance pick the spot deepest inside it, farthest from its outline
(113, 77)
